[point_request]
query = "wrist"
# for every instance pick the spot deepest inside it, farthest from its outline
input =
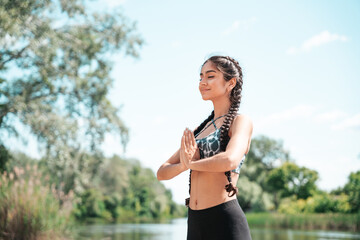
(183, 167)
(190, 164)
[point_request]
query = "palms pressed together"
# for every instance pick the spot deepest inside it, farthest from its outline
(189, 150)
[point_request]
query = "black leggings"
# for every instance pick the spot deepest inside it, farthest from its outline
(225, 221)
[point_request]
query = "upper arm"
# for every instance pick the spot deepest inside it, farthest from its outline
(241, 131)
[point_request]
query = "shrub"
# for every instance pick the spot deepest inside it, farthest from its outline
(320, 203)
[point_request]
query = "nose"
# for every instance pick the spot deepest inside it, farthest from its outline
(202, 82)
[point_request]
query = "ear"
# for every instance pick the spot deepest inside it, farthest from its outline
(232, 83)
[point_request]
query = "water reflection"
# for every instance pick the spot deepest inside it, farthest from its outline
(176, 230)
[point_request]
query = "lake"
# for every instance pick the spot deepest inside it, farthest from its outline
(176, 230)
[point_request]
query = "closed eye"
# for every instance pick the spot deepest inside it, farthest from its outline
(208, 77)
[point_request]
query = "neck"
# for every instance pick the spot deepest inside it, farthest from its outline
(221, 107)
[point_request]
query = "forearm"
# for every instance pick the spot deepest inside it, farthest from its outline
(168, 171)
(221, 162)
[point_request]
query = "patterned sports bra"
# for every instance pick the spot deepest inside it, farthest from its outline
(210, 145)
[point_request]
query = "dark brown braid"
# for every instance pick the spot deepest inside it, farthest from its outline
(230, 69)
(235, 99)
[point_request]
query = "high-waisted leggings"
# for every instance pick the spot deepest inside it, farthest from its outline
(225, 221)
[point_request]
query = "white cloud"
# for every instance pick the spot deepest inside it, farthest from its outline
(329, 116)
(244, 24)
(305, 111)
(317, 40)
(348, 123)
(295, 112)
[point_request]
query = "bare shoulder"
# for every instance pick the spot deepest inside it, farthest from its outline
(242, 123)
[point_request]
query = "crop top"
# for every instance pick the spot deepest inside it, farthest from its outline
(210, 145)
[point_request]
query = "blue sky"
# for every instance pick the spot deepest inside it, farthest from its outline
(301, 65)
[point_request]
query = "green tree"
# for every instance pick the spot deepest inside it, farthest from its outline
(290, 179)
(352, 189)
(54, 79)
(264, 154)
(129, 192)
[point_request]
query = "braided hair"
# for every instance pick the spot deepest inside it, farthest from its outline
(230, 69)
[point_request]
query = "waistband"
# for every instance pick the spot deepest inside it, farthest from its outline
(221, 206)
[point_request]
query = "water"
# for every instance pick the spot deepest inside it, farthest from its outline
(176, 230)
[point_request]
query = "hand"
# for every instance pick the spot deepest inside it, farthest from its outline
(189, 150)
(190, 139)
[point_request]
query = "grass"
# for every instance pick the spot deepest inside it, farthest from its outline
(323, 221)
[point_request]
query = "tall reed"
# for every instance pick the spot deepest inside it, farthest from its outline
(30, 208)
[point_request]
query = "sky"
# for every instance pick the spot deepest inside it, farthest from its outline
(301, 66)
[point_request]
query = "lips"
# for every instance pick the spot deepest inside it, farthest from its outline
(204, 90)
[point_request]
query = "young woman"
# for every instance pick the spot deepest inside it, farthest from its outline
(214, 153)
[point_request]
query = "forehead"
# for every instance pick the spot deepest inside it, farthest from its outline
(208, 66)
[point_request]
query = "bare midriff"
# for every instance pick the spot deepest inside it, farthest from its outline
(208, 189)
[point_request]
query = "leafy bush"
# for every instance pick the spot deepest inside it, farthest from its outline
(320, 203)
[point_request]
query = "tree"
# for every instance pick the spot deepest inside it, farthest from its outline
(54, 79)
(264, 154)
(352, 189)
(290, 179)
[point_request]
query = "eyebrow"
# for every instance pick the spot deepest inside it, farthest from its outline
(208, 72)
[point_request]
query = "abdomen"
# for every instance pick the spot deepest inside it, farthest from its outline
(208, 189)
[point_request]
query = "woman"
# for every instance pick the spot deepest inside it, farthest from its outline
(219, 145)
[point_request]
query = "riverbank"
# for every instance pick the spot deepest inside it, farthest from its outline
(323, 221)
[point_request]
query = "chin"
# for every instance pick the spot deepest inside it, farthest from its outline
(205, 98)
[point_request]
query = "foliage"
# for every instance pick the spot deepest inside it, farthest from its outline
(319, 203)
(252, 196)
(127, 192)
(30, 208)
(264, 155)
(54, 80)
(290, 179)
(4, 157)
(352, 189)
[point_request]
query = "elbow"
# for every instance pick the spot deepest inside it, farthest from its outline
(160, 174)
(231, 162)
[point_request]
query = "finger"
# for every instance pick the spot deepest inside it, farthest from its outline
(187, 140)
(192, 138)
(183, 142)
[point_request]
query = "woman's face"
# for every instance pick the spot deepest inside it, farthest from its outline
(212, 83)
